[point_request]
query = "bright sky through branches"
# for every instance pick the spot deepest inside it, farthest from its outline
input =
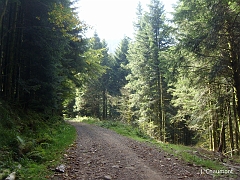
(112, 19)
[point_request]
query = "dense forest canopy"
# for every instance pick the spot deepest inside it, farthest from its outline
(178, 80)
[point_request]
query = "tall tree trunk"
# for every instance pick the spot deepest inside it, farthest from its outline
(230, 125)
(214, 132)
(235, 62)
(104, 108)
(159, 111)
(6, 67)
(210, 133)
(237, 86)
(211, 124)
(17, 70)
(3, 11)
(1, 55)
(12, 57)
(236, 121)
(222, 139)
(162, 108)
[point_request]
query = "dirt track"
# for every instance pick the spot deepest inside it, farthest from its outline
(102, 154)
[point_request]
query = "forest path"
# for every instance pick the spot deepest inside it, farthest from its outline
(100, 153)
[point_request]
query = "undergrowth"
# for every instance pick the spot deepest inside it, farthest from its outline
(31, 144)
(188, 154)
(119, 127)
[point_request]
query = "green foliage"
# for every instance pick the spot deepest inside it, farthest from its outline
(193, 156)
(89, 120)
(206, 89)
(118, 71)
(65, 19)
(48, 151)
(42, 62)
(148, 102)
(91, 98)
(119, 127)
(32, 143)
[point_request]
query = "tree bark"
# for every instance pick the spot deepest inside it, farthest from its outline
(222, 142)
(104, 108)
(12, 54)
(230, 125)
(236, 122)
(3, 10)
(215, 126)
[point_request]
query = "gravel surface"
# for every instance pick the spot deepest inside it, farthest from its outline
(100, 153)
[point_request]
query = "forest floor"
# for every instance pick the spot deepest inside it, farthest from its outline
(100, 153)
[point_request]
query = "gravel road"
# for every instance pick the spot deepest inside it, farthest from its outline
(100, 153)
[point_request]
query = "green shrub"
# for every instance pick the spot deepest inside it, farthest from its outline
(32, 141)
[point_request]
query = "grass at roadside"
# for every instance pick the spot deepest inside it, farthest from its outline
(188, 154)
(32, 144)
(38, 163)
(119, 127)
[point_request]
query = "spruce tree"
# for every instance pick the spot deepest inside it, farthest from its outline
(146, 80)
(208, 49)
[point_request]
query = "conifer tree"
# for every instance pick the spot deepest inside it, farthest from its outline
(41, 48)
(146, 80)
(92, 97)
(208, 49)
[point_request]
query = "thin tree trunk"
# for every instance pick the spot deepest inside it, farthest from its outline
(2, 61)
(236, 122)
(104, 108)
(18, 55)
(6, 67)
(222, 142)
(230, 125)
(210, 133)
(12, 57)
(159, 115)
(3, 10)
(214, 132)
(1, 55)
(161, 107)
(210, 125)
